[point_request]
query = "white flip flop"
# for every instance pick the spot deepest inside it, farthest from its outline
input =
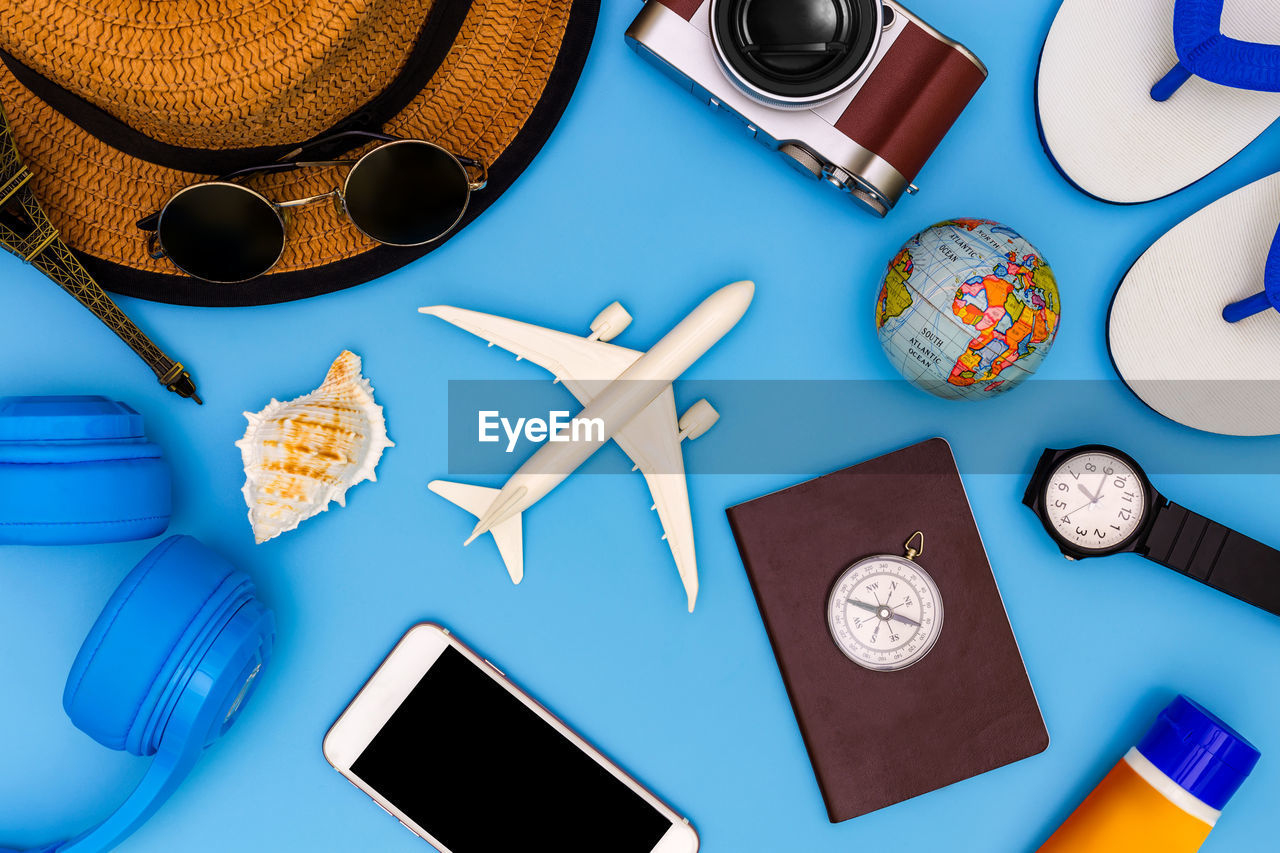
(1105, 63)
(1192, 330)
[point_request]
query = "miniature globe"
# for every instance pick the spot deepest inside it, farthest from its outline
(968, 309)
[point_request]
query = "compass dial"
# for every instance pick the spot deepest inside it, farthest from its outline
(885, 613)
(1095, 501)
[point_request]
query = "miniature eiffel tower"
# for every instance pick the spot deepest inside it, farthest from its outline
(26, 232)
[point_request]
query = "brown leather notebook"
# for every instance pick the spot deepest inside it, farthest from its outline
(878, 738)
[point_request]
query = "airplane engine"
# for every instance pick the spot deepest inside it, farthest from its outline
(610, 322)
(700, 417)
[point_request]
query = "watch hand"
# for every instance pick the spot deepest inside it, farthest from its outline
(904, 620)
(1102, 484)
(1066, 516)
(1090, 495)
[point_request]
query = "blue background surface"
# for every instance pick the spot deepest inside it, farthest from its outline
(641, 195)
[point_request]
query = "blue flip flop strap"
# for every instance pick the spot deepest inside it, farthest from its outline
(1270, 295)
(1203, 51)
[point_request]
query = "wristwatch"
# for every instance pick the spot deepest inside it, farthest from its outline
(1096, 501)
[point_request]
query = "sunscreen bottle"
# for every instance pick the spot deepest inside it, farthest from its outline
(1166, 793)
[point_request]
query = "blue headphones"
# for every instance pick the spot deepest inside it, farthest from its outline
(169, 664)
(78, 470)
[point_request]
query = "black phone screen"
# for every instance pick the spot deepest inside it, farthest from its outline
(479, 770)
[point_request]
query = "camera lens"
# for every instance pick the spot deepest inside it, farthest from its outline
(799, 51)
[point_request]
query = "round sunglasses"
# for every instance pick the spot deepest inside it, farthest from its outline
(406, 192)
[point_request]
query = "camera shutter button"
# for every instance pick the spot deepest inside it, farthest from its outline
(839, 178)
(801, 159)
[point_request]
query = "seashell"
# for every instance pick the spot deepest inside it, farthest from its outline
(301, 455)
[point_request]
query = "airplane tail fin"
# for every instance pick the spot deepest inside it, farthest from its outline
(509, 535)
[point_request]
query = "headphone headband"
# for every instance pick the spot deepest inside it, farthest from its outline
(166, 670)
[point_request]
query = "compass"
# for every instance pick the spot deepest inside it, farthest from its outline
(885, 612)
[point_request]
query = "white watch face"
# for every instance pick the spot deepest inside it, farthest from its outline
(885, 613)
(1095, 500)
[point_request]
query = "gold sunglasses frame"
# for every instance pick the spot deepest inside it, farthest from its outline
(155, 247)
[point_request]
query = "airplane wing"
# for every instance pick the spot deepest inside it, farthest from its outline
(584, 366)
(652, 440)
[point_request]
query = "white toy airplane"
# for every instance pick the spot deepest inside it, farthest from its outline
(629, 391)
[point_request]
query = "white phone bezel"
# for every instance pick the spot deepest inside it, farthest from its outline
(388, 687)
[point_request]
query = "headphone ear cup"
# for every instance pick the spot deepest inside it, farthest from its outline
(135, 661)
(78, 470)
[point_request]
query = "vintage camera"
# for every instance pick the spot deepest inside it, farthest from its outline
(856, 92)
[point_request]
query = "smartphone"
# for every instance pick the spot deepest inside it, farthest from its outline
(444, 742)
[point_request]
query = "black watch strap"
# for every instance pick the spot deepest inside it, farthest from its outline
(1215, 555)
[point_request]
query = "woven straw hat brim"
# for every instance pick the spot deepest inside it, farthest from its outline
(495, 77)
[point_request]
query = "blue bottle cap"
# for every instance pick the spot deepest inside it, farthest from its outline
(88, 418)
(1203, 755)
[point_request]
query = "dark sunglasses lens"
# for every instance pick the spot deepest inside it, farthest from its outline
(221, 232)
(406, 193)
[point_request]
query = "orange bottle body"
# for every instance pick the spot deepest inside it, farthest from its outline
(1127, 814)
(1167, 793)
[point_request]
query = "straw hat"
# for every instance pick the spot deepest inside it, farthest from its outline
(117, 104)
